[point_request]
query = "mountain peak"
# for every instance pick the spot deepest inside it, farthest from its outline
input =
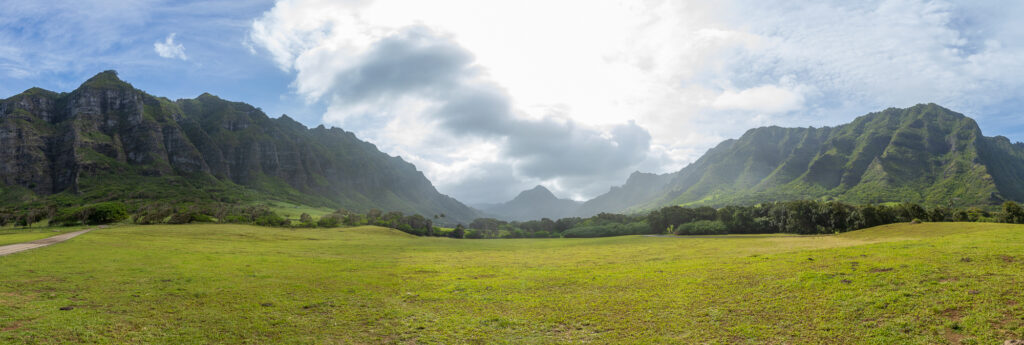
(538, 192)
(105, 79)
(535, 203)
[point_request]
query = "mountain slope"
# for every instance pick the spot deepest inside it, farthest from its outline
(536, 203)
(639, 189)
(108, 140)
(925, 154)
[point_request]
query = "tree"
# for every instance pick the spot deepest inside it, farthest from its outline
(459, 232)
(1013, 213)
(305, 218)
(107, 212)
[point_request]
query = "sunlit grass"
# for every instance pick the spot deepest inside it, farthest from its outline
(924, 283)
(19, 235)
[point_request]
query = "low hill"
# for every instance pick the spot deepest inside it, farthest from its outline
(107, 140)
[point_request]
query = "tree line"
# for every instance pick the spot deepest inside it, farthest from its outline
(797, 217)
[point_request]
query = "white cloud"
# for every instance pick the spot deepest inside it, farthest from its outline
(689, 72)
(169, 49)
(769, 99)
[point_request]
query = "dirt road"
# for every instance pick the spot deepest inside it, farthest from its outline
(20, 247)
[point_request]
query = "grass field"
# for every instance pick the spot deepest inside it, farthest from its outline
(18, 235)
(952, 283)
(293, 211)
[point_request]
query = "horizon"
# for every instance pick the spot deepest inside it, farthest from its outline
(651, 92)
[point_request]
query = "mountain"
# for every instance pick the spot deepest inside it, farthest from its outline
(536, 203)
(639, 189)
(107, 140)
(925, 154)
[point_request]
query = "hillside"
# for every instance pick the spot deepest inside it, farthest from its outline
(924, 154)
(107, 140)
(533, 204)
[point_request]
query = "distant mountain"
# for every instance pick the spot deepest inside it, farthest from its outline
(107, 140)
(639, 189)
(533, 204)
(925, 154)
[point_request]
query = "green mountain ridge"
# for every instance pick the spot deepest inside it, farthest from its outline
(924, 154)
(107, 140)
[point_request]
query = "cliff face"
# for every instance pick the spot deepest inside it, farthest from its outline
(106, 131)
(925, 154)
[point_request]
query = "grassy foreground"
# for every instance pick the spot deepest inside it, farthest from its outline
(20, 235)
(956, 283)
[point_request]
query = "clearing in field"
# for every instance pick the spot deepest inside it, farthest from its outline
(955, 283)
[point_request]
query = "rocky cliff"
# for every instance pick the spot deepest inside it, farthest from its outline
(107, 135)
(924, 154)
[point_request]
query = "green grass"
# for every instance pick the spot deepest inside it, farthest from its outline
(10, 235)
(293, 211)
(927, 283)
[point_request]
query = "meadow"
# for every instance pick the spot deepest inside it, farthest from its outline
(932, 283)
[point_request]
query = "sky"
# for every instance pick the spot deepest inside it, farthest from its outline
(492, 97)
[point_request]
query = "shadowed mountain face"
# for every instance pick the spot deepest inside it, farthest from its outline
(533, 204)
(924, 154)
(107, 134)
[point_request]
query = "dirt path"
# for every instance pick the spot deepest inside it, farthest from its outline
(20, 247)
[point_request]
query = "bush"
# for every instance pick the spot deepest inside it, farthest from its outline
(101, 213)
(329, 221)
(236, 219)
(68, 217)
(108, 212)
(608, 230)
(180, 218)
(702, 227)
(271, 219)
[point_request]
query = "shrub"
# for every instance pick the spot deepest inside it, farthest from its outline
(101, 213)
(234, 218)
(702, 227)
(606, 230)
(108, 212)
(270, 219)
(180, 218)
(329, 221)
(203, 218)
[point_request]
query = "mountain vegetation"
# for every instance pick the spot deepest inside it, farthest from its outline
(108, 141)
(925, 154)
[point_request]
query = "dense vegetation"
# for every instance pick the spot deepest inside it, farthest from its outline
(108, 141)
(925, 154)
(796, 217)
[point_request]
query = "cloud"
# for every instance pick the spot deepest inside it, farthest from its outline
(766, 98)
(169, 49)
(428, 89)
(591, 85)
